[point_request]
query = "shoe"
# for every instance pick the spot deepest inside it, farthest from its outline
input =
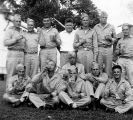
(16, 104)
(42, 107)
(73, 105)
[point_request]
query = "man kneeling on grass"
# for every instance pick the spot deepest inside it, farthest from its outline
(74, 95)
(117, 94)
(46, 86)
(16, 89)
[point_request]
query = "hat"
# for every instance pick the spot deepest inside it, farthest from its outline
(84, 15)
(20, 67)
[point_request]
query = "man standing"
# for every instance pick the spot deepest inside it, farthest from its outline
(67, 39)
(31, 50)
(49, 40)
(124, 50)
(15, 42)
(85, 43)
(106, 36)
(16, 89)
(118, 92)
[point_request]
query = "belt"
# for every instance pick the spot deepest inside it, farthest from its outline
(86, 49)
(31, 52)
(19, 50)
(105, 46)
(64, 51)
(43, 47)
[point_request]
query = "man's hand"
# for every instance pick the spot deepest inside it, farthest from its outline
(18, 38)
(82, 41)
(108, 38)
(53, 94)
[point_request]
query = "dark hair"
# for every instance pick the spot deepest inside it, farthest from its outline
(117, 67)
(69, 20)
(46, 16)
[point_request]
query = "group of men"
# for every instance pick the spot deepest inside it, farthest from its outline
(85, 76)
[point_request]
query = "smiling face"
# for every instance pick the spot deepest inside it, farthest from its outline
(85, 21)
(69, 27)
(51, 66)
(117, 73)
(46, 22)
(125, 30)
(17, 21)
(30, 26)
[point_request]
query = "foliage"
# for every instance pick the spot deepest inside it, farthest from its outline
(36, 9)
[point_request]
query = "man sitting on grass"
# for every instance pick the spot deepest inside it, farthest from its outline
(16, 89)
(95, 81)
(46, 86)
(118, 93)
(74, 96)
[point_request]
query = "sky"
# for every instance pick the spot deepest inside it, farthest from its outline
(119, 11)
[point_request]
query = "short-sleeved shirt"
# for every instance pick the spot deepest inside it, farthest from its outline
(67, 40)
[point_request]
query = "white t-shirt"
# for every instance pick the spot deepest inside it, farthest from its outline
(67, 40)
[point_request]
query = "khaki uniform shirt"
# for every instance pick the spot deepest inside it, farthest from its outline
(101, 32)
(126, 46)
(31, 42)
(49, 38)
(10, 35)
(121, 91)
(91, 40)
(16, 85)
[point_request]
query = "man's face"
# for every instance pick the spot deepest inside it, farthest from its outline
(72, 60)
(17, 22)
(69, 27)
(103, 19)
(85, 21)
(95, 70)
(51, 66)
(46, 22)
(117, 73)
(125, 30)
(72, 76)
(21, 73)
(30, 26)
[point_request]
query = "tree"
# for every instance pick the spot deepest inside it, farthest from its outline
(59, 9)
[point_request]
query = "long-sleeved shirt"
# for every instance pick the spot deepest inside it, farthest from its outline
(31, 42)
(90, 38)
(17, 84)
(67, 66)
(67, 40)
(125, 47)
(76, 88)
(49, 38)
(102, 78)
(49, 84)
(9, 41)
(101, 32)
(120, 91)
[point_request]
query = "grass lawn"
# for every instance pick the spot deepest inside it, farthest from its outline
(28, 113)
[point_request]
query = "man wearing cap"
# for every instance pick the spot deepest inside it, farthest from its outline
(49, 40)
(74, 95)
(124, 51)
(15, 42)
(46, 86)
(95, 81)
(118, 93)
(85, 42)
(72, 63)
(31, 49)
(16, 88)
(67, 39)
(106, 35)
